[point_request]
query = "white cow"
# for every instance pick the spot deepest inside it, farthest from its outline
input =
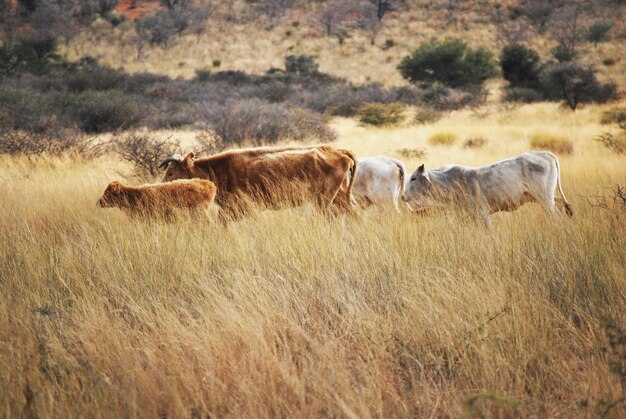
(379, 181)
(503, 186)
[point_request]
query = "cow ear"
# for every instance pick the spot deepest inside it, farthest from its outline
(115, 186)
(188, 160)
(420, 169)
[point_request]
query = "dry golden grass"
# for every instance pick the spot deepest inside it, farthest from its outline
(556, 143)
(445, 138)
(293, 314)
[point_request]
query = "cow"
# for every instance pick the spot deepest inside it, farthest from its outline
(159, 199)
(502, 186)
(380, 181)
(273, 177)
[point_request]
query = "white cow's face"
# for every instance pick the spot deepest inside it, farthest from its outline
(418, 190)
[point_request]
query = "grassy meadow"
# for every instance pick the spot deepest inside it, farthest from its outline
(292, 314)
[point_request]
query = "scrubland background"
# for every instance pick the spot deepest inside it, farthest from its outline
(295, 314)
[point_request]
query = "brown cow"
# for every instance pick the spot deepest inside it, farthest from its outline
(160, 198)
(276, 177)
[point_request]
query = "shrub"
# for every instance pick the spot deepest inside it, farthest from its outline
(426, 116)
(258, 122)
(306, 125)
(442, 98)
(617, 143)
(609, 61)
(446, 138)
(94, 77)
(157, 29)
(381, 114)
(614, 116)
(345, 100)
(412, 153)
(216, 63)
(476, 142)
(520, 65)
(104, 111)
(522, 94)
(301, 64)
(573, 83)
(563, 54)
(203, 74)
(55, 141)
(450, 62)
(27, 107)
(598, 32)
(35, 55)
(555, 143)
(144, 152)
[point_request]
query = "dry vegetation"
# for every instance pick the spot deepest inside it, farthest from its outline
(292, 314)
(255, 45)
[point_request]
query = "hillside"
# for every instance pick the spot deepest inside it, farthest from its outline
(244, 39)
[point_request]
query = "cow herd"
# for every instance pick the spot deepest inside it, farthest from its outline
(334, 180)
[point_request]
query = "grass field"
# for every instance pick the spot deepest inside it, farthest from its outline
(291, 314)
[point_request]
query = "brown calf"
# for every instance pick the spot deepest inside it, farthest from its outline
(276, 177)
(160, 198)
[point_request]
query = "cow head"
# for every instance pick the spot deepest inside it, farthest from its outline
(178, 168)
(418, 190)
(112, 196)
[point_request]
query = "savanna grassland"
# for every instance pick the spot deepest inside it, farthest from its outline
(293, 314)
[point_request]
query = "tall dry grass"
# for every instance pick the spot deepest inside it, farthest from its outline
(293, 314)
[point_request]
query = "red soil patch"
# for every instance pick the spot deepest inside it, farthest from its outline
(142, 8)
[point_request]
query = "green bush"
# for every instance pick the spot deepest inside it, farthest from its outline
(381, 114)
(563, 54)
(520, 65)
(104, 111)
(301, 64)
(556, 143)
(598, 32)
(450, 62)
(443, 138)
(572, 82)
(34, 55)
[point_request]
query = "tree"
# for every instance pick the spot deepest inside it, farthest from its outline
(276, 8)
(450, 62)
(332, 15)
(572, 82)
(568, 26)
(598, 32)
(382, 7)
(520, 65)
(539, 12)
(301, 64)
(105, 6)
(157, 29)
(368, 21)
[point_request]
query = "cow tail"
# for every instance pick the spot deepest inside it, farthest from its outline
(401, 175)
(566, 205)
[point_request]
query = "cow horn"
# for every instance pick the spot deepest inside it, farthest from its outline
(168, 160)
